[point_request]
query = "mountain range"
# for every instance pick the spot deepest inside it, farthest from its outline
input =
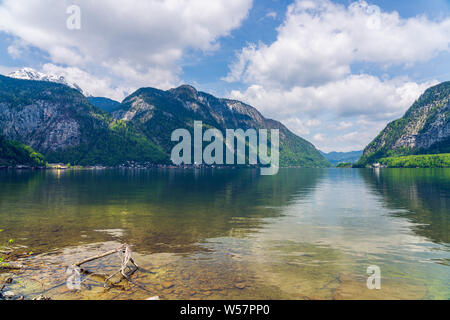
(156, 113)
(424, 129)
(62, 121)
(104, 104)
(57, 120)
(336, 158)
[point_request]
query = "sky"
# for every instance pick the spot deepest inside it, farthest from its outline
(334, 72)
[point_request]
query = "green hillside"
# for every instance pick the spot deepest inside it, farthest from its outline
(418, 161)
(14, 153)
(424, 129)
(156, 114)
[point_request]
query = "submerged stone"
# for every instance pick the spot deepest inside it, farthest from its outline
(240, 285)
(9, 294)
(167, 285)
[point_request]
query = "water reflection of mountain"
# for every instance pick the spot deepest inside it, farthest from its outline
(157, 211)
(424, 193)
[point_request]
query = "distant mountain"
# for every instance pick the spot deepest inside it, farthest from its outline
(105, 104)
(60, 123)
(424, 129)
(156, 113)
(31, 74)
(342, 157)
(65, 126)
(15, 153)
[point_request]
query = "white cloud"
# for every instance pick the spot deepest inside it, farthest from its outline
(14, 51)
(306, 73)
(319, 137)
(313, 123)
(137, 40)
(301, 127)
(7, 70)
(358, 102)
(356, 95)
(95, 86)
(319, 41)
(271, 14)
(344, 125)
(297, 126)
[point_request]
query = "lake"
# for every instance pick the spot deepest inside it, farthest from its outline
(233, 234)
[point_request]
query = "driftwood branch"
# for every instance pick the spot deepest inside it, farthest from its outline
(11, 266)
(7, 281)
(78, 264)
(125, 256)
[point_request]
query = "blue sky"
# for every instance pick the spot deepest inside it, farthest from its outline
(334, 72)
(207, 70)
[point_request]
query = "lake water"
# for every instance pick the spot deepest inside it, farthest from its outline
(233, 234)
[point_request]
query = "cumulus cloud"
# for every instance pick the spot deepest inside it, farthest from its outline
(92, 85)
(271, 14)
(320, 40)
(7, 69)
(319, 137)
(355, 95)
(306, 73)
(142, 40)
(358, 102)
(301, 127)
(344, 125)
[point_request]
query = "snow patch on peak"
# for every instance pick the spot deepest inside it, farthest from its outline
(31, 74)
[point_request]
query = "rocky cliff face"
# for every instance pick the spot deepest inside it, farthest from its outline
(60, 123)
(46, 116)
(425, 128)
(157, 113)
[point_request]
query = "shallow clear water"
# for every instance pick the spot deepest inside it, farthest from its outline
(233, 234)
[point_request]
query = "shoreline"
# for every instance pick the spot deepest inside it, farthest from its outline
(140, 167)
(169, 167)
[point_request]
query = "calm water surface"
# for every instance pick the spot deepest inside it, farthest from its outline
(233, 234)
